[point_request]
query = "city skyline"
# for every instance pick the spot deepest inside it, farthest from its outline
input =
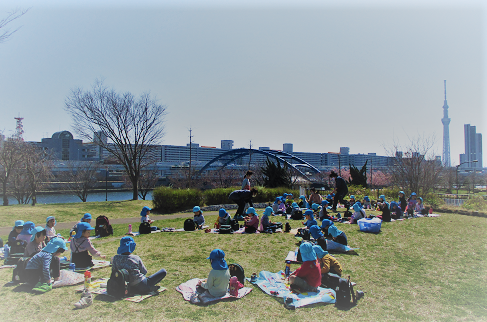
(318, 75)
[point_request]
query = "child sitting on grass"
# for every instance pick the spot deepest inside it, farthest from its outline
(309, 216)
(251, 221)
(396, 212)
(139, 283)
(412, 202)
(26, 232)
(366, 202)
(81, 245)
(359, 213)
(315, 232)
(384, 207)
(265, 222)
(144, 215)
(328, 263)
(325, 224)
(50, 231)
(12, 236)
(37, 242)
(420, 207)
(217, 282)
(198, 218)
(338, 235)
(39, 267)
(223, 217)
(308, 276)
(86, 218)
(303, 203)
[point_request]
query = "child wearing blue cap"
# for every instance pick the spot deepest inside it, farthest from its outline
(358, 213)
(317, 234)
(217, 282)
(81, 245)
(223, 217)
(338, 235)
(402, 200)
(139, 283)
(50, 231)
(395, 211)
(12, 236)
(310, 221)
(303, 203)
(26, 232)
(40, 268)
(419, 206)
(328, 263)
(412, 202)
(308, 276)
(251, 221)
(325, 224)
(198, 218)
(144, 215)
(384, 207)
(366, 202)
(86, 218)
(37, 242)
(265, 222)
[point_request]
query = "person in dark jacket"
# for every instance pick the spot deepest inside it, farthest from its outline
(241, 197)
(341, 190)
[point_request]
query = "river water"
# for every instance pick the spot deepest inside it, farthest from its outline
(71, 198)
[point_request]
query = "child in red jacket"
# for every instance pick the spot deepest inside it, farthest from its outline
(308, 276)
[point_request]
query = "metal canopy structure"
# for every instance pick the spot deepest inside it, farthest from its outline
(288, 159)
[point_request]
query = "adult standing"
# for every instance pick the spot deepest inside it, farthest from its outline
(341, 190)
(246, 180)
(241, 197)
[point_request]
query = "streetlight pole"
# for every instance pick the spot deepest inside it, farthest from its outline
(106, 184)
(474, 161)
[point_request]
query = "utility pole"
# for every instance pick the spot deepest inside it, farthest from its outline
(250, 154)
(190, 149)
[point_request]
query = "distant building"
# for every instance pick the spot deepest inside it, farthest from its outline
(287, 147)
(227, 144)
(473, 149)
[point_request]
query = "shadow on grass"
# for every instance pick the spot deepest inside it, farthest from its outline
(106, 298)
(26, 288)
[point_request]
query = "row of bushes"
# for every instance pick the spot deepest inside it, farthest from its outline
(170, 200)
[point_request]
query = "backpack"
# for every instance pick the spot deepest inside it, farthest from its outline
(297, 214)
(19, 273)
(225, 229)
(234, 224)
(144, 228)
(189, 225)
(118, 284)
(17, 249)
(287, 227)
(345, 297)
(238, 271)
(103, 227)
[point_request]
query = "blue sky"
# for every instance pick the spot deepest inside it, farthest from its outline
(362, 74)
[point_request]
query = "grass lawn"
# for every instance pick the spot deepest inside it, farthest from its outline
(427, 269)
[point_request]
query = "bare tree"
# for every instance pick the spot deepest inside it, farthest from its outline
(81, 178)
(10, 156)
(132, 125)
(415, 168)
(6, 33)
(147, 182)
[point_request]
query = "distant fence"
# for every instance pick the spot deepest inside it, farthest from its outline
(454, 202)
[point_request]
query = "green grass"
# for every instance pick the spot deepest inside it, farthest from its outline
(425, 269)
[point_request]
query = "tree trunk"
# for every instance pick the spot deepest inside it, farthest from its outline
(5, 197)
(135, 188)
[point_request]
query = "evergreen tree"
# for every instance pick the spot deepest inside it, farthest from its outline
(274, 175)
(358, 177)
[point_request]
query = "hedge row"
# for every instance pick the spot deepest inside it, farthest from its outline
(169, 200)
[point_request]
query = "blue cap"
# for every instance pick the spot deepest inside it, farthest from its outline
(222, 212)
(315, 206)
(352, 196)
(35, 231)
(382, 197)
(357, 207)
(143, 212)
(326, 223)
(127, 245)
(251, 210)
(49, 218)
(307, 252)
(309, 212)
(413, 193)
(218, 262)
(315, 231)
(294, 205)
(196, 209)
(268, 211)
(334, 231)
(54, 244)
(86, 216)
(319, 251)
(324, 202)
(82, 226)
(366, 198)
(401, 192)
(28, 228)
(19, 223)
(302, 197)
(277, 199)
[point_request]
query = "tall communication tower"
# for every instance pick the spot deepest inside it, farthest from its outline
(446, 134)
(19, 129)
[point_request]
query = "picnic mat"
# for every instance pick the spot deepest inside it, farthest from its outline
(68, 278)
(275, 284)
(99, 286)
(189, 292)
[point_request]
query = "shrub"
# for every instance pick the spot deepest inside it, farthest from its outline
(169, 200)
(218, 196)
(475, 203)
(433, 200)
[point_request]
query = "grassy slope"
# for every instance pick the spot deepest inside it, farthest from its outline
(422, 269)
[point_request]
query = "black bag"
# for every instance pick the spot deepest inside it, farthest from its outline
(189, 225)
(234, 224)
(289, 210)
(19, 274)
(1, 242)
(225, 229)
(344, 294)
(238, 271)
(144, 228)
(297, 214)
(103, 227)
(278, 225)
(118, 284)
(81, 259)
(303, 233)
(330, 280)
(17, 247)
(288, 227)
